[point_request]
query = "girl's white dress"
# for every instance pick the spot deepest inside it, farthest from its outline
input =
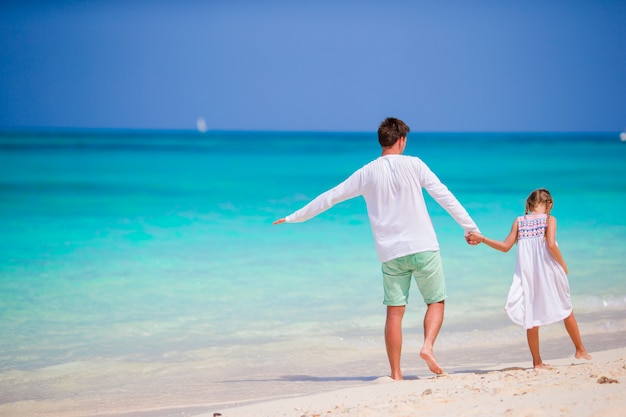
(539, 294)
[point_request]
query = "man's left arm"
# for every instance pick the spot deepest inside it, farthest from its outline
(444, 197)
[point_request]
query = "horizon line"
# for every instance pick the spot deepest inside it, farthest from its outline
(159, 131)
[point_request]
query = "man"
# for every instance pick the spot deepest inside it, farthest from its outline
(405, 239)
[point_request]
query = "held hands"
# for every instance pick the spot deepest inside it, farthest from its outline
(474, 238)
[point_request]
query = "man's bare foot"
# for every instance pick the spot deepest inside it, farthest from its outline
(431, 362)
(582, 355)
(396, 376)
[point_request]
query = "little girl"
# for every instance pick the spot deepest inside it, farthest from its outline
(539, 294)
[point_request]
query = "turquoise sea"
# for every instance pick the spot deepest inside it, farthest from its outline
(141, 272)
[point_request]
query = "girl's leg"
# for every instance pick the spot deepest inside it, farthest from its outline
(532, 335)
(571, 325)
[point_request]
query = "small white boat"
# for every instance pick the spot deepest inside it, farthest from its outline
(201, 125)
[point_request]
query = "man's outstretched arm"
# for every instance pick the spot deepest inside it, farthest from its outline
(344, 191)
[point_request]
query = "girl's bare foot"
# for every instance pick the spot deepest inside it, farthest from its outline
(582, 355)
(431, 362)
(542, 365)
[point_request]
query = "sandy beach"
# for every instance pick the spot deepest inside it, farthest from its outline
(493, 380)
(484, 377)
(570, 388)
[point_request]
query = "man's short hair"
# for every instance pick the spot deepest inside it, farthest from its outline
(390, 130)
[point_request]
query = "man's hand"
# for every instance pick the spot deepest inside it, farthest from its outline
(471, 239)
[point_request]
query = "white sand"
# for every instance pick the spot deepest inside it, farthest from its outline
(571, 388)
(486, 380)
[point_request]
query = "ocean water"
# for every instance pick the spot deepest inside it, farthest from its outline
(141, 271)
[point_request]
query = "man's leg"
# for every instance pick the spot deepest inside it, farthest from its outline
(393, 339)
(433, 319)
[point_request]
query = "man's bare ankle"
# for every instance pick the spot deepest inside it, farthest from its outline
(430, 360)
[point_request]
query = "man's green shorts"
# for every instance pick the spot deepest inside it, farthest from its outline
(427, 269)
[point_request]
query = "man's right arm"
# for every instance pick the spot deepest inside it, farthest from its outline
(348, 189)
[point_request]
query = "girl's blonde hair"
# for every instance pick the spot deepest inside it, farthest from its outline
(540, 195)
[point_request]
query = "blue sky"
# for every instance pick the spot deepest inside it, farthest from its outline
(450, 66)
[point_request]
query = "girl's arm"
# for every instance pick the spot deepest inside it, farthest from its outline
(552, 245)
(501, 246)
